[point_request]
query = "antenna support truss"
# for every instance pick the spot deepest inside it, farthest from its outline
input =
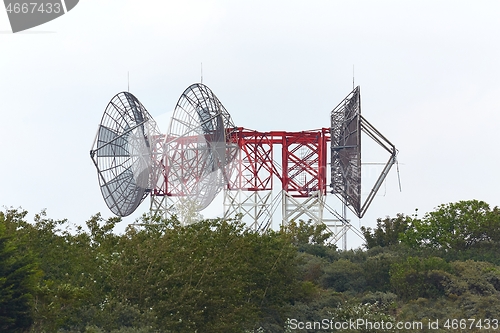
(376, 136)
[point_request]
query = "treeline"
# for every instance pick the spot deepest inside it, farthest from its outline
(443, 266)
(218, 276)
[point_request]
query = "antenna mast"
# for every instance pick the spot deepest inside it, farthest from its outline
(201, 72)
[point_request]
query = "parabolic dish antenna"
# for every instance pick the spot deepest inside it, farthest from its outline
(198, 153)
(122, 153)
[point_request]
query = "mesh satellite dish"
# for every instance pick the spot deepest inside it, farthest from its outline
(347, 124)
(122, 153)
(199, 157)
(133, 159)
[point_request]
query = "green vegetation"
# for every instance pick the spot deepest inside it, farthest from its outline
(17, 284)
(217, 276)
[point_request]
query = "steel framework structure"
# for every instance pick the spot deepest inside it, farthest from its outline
(204, 152)
(300, 167)
(249, 190)
(302, 174)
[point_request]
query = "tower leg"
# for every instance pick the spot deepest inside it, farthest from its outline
(253, 206)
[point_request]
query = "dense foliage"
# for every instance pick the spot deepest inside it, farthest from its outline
(218, 276)
(17, 284)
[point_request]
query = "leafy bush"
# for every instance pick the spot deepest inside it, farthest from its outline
(420, 277)
(343, 275)
(388, 231)
(455, 226)
(376, 270)
(373, 313)
(18, 280)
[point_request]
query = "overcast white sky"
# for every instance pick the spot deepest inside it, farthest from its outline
(428, 71)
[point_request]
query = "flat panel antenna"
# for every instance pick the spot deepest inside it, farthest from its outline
(345, 135)
(347, 124)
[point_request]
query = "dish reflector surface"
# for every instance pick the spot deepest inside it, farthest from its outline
(199, 155)
(122, 153)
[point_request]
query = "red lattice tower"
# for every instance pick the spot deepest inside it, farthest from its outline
(302, 174)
